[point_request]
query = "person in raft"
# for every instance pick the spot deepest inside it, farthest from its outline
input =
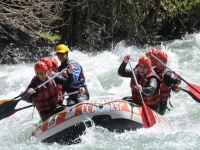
(52, 65)
(169, 81)
(148, 82)
(78, 76)
(46, 99)
(153, 51)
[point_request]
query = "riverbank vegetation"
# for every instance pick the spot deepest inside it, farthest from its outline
(99, 24)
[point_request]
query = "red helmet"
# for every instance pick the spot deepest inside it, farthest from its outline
(162, 55)
(54, 61)
(145, 60)
(47, 61)
(154, 51)
(40, 66)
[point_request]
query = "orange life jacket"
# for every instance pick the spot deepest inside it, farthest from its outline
(165, 90)
(149, 100)
(46, 97)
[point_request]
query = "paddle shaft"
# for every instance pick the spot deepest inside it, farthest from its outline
(16, 110)
(174, 73)
(39, 86)
(7, 107)
(135, 80)
(24, 95)
(17, 97)
(147, 114)
(75, 92)
(24, 107)
(32, 105)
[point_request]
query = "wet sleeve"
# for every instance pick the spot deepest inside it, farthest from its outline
(122, 71)
(170, 80)
(151, 88)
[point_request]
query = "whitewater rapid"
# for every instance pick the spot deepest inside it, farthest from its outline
(102, 79)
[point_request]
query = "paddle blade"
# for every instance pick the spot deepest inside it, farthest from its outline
(192, 95)
(148, 118)
(9, 99)
(6, 100)
(16, 110)
(6, 108)
(195, 90)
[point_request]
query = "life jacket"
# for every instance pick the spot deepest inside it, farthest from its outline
(149, 100)
(60, 92)
(165, 90)
(81, 78)
(46, 97)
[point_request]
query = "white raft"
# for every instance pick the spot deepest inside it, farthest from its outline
(116, 115)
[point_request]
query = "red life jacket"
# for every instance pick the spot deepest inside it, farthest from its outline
(149, 100)
(46, 97)
(60, 92)
(165, 90)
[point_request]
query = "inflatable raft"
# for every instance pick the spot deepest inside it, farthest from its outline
(116, 115)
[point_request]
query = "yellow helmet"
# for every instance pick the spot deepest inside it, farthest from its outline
(62, 48)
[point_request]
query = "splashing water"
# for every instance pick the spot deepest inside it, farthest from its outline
(102, 79)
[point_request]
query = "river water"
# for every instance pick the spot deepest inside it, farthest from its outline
(102, 79)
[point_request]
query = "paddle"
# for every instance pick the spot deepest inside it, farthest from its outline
(8, 106)
(194, 89)
(192, 95)
(148, 118)
(9, 99)
(75, 92)
(16, 110)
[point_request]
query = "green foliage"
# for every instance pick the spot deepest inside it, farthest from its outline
(51, 37)
(97, 23)
(173, 7)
